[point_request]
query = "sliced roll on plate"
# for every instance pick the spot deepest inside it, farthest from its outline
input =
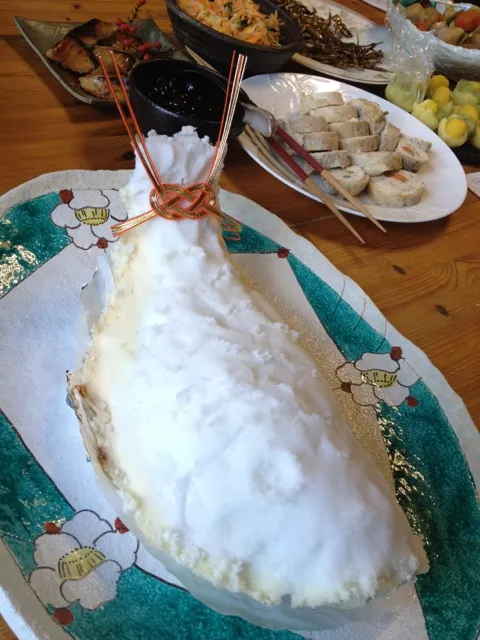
(400, 189)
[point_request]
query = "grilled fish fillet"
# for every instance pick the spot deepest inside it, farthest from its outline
(95, 31)
(72, 55)
(97, 86)
(124, 60)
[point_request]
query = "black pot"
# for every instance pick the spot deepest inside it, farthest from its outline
(217, 49)
(468, 154)
(164, 120)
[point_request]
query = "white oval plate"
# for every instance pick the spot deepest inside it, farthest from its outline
(444, 178)
(365, 30)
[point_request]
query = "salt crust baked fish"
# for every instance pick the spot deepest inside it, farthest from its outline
(226, 448)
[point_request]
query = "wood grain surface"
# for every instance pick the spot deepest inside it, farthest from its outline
(424, 277)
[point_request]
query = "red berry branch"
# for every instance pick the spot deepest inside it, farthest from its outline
(134, 45)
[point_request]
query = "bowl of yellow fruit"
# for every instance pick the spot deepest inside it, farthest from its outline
(453, 111)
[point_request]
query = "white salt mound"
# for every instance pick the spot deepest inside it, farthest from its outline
(227, 446)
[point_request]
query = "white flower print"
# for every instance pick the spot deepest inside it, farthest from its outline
(81, 561)
(379, 376)
(88, 216)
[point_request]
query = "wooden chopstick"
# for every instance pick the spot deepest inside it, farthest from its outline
(327, 176)
(313, 187)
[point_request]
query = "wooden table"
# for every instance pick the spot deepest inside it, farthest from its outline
(425, 277)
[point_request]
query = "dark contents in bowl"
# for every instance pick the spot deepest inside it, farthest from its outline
(188, 96)
(167, 95)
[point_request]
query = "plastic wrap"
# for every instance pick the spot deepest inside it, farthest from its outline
(410, 60)
(407, 41)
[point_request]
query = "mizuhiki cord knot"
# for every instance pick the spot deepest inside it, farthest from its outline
(174, 202)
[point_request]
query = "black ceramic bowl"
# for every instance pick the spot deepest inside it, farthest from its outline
(165, 109)
(217, 49)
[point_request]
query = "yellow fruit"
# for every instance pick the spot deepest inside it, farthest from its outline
(453, 130)
(426, 113)
(437, 81)
(441, 95)
(466, 92)
(470, 111)
(431, 105)
(444, 110)
(456, 128)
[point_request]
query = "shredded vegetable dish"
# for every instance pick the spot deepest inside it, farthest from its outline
(241, 19)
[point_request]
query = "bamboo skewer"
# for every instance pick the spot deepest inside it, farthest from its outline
(326, 175)
(263, 148)
(287, 158)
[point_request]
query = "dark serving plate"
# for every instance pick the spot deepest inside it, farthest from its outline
(217, 48)
(41, 36)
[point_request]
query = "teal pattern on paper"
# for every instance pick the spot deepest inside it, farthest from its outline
(27, 240)
(442, 503)
(29, 499)
(251, 241)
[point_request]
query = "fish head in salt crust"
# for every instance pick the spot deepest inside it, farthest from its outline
(215, 437)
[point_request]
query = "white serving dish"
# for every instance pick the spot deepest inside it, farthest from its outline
(444, 177)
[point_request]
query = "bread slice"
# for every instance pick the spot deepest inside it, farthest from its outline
(353, 179)
(327, 99)
(412, 154)
(351, 128)
(324, 141)
(333, 159)
(287, 126)
(389, 138)
(307, 124)
(360, 144)
(335, 114)
(328, 160)
(400, 189)
(371, 113)
(377, 162)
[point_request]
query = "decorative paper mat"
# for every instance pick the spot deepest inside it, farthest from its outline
(51, 506)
